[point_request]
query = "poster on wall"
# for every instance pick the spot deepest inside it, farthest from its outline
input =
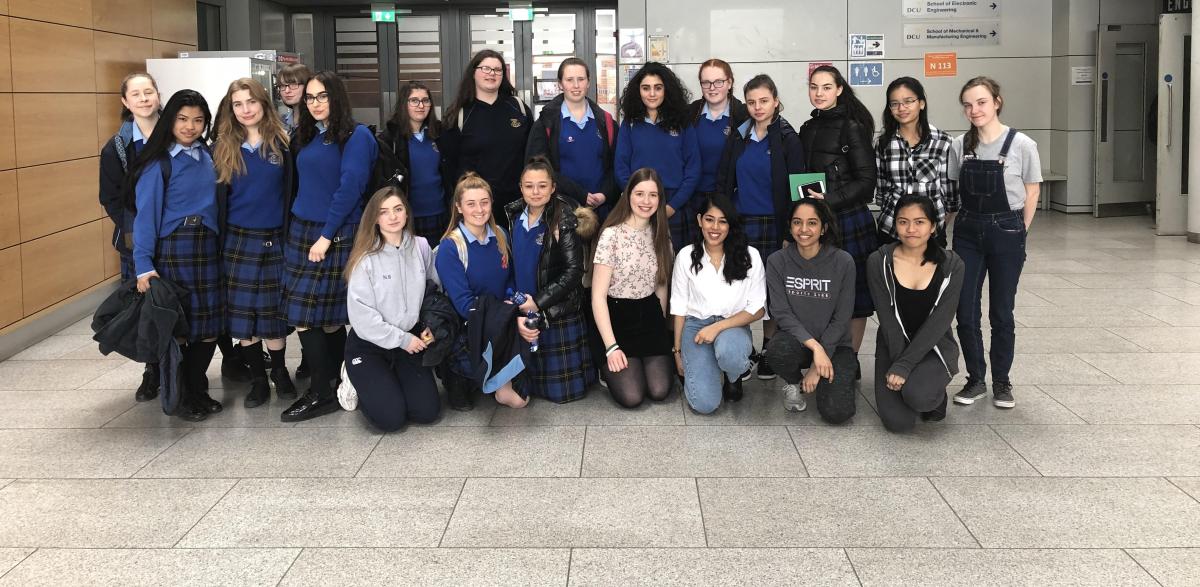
(660, 48)
(633, 46)
(812, 65)
(606, 81)
(866, 46)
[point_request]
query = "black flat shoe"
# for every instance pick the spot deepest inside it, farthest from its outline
(233, 369)
(302, 370)
(458, 393)
(190, 412)
(260, 393)
(206, 401)
(308, 407)
(148, 389)
(283, 383)
(732, 391)
(937, 414)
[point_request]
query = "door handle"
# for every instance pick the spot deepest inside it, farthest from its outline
(1104, 108)
(1170, 109)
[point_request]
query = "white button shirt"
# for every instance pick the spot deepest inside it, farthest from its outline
(707, 294)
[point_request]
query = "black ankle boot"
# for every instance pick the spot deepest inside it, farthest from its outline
(200, 355)
(283, 383)
(148, 390)
(233, 364)
(732, 390)
(458, 392)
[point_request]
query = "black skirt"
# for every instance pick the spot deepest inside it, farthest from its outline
(639, 326)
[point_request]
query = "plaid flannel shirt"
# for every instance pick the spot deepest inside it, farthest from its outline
(918, 170)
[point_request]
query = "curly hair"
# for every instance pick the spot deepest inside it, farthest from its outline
(673, 113)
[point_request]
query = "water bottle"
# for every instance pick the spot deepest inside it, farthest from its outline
(518, 298)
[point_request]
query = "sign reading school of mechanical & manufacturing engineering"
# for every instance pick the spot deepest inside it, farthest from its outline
(965, 22)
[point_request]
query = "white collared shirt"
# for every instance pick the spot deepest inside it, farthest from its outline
(193, 151)
(582, 122)
(709, 115)
(706, 294)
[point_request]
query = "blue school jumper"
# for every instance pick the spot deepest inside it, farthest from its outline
(485, 272)
(753, 168)
(710, 136)
(428, 198)
(581, 150)
(252, 255)
(333, 179)
(675, 155)
(526, 251)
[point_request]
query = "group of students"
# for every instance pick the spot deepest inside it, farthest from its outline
(569, 249)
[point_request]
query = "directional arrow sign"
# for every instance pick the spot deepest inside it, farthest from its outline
(953, 33)
(968, 9)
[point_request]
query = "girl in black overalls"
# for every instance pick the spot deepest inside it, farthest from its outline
(999, 181)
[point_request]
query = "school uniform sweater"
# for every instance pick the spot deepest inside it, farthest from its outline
(710, 138)
(526, 252)
(675, 155)
(427, 195)
(491, 143)
(256, 199)
(192, 192)
(333, 179)
(581, 154)
(812, 298)
(485, 272)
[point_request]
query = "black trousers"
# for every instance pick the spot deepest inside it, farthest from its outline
(393, 387)
(835, 399)
(923, 391)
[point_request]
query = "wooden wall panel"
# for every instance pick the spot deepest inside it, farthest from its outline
(108, 118)
(3, 6)
(51, 57)
(58, 196)
(170, 51)
(8, 141)
(10, 295)
(174, 21)
(48, 127)
(10, 220)
(130, 17)
(70, 12)
(112, 260)
(118, 56)
(5, 60)
(61, 265)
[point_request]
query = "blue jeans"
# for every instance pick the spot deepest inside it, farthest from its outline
(703, 364)
(991, 246)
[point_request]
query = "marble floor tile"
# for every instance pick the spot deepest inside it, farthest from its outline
(1061, 368)
(328, 512)
(1106, 281)
(1049, 512)
(80, 453)
(1130, 404)
(9, 557)
(711, 566)
(880, 512)
(1161, 339)
(1081, 316)
(265, 452)
(597, 408)
(64, 409)
(104, 513)
(199, 567)
(538, 451)
(1033, 407)
(690, 451)
(995, 567)
(1142, 450)
(1171, 567)
(1173, 315)
(60, 374)
(1069, 340)
(435, 567)
(57, 346)
(933, 449)
(1142, 368)
(599, 512)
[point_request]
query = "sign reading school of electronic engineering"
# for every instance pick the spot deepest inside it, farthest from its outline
(952, 8)
(866, 73)
(952, 33)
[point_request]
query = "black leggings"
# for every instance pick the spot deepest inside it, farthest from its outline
(645, 376)
(835, 399)
(924, 390)
(393, 387)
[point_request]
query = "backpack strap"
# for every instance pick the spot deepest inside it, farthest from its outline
(119, 146)
(460, 243)
(608, 123)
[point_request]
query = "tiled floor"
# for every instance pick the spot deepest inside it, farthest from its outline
(1093, 479)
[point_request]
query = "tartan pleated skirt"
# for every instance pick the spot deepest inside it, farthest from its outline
(763, 234)
(315, 293)
(858, 232)
(430, 227)
(562, 368)
(252, 262)
(190, 258)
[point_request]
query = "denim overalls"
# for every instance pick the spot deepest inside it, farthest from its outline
(990, 239)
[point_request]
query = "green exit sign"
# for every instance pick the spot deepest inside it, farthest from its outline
(520, 14)
(383, 16)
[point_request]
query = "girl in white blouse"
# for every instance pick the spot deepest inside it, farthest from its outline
(718, 289)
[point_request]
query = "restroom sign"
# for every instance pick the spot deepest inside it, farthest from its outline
(866, 73)
(941, 64)
(866, 46)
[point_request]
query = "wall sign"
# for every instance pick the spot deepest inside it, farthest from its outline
(1176, 6)
(941, 64)
(951, 8)
(953, 33)
(866, 46)
(1083, 75)
(866, 73)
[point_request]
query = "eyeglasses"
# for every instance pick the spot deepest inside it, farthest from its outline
(287, 86)
(490, 70)
(419, 101)
(716, 84)
(322, 98)
(907, 103)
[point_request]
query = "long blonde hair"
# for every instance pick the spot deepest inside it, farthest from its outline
(227, 151)
(367, 238)
(471, 181)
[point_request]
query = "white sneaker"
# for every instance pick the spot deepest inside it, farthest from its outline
(793, 399)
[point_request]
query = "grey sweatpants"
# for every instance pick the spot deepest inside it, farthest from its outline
(923, 391)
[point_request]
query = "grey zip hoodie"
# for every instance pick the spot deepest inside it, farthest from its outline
(812, 298)
(903, 350)
(386, 290)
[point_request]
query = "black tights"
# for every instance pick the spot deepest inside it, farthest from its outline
(645, 376)
(323, 352)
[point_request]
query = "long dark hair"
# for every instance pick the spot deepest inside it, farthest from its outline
(971, 139)
(663, 254)
(763, 80)
(854, 108)
(160, 141)
(340, 124)
(466, 86)
(830, 235)
(934, 253)
(737, 252)
(433, 127)
(890, 126)
(673, 113)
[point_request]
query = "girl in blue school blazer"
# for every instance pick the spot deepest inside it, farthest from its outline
(334, 155)
(658, 134)
(175, 231)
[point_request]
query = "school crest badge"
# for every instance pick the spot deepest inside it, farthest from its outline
(515, 122)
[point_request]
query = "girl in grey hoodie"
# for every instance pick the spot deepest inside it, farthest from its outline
(387, 270)
(915, 285)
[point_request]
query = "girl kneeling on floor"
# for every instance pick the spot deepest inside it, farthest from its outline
(717, 291)
(387, 270)
(915, 284)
